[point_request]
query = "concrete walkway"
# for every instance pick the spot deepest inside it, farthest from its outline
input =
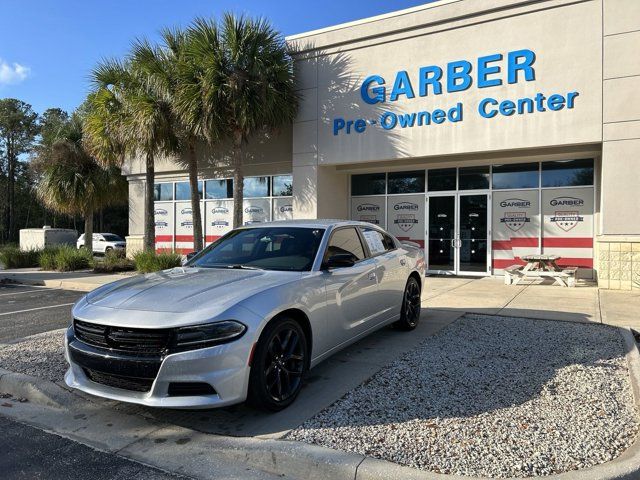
(489, 295)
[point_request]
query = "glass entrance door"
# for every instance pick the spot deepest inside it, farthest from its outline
(458, 234)
(473, 234)
(441, 233)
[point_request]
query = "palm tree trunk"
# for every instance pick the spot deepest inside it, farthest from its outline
(149, 219)
(88, 231)
(195, 198)
(238, 182)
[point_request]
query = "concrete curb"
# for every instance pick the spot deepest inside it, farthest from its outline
(70, 284)
(279, 457)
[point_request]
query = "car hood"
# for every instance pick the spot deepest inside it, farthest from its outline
(180, 290)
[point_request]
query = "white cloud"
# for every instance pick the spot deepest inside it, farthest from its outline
(12, 73)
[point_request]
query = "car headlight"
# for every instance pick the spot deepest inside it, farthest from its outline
(207, 335)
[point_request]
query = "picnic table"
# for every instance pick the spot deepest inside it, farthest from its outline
(540, 266)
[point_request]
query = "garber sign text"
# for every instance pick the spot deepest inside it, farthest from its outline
(431, 81)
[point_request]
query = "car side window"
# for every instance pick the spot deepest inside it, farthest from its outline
(377, 241)
(345, 240)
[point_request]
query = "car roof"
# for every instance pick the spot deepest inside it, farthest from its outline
(311, 223)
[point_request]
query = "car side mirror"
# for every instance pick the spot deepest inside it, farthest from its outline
(190, 255)
(340, 260)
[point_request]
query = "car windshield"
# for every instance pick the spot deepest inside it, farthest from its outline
(268, 248)
(110, 237)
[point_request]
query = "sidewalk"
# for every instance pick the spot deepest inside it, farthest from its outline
(83, 280)
(489, 295)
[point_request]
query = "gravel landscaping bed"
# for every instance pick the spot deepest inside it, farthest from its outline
(492, 396)
(40, 355)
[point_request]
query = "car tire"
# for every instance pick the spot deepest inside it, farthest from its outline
(280, 360)
(108, 249)
(410, 312)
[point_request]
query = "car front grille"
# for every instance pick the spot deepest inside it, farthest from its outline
(117, 381)
(135, 340)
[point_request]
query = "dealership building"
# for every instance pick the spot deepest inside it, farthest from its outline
(481, 130)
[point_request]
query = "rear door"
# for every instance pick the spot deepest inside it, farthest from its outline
(352, 307)
(391, 271)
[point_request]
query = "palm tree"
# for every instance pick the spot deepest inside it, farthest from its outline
(169, 72)
(125, 117)
(244, 86)
(71, 181)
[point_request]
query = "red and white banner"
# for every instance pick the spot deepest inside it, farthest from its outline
(369, 209)
(184, 227)
(515, 227)
(406, 217)
(568, 225)
(164, 225)
(218, 219)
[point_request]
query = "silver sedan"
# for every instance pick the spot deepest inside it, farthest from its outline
(245, 318)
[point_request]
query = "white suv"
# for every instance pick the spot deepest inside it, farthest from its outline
(103, 242)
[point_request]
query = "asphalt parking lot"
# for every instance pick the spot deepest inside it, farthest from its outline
(27, 310)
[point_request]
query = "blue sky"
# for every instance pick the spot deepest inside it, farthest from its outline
(48, 47)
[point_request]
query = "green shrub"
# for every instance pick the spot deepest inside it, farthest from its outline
(113, 261)
(68, 258)
(147, 262)
(12, 257)
(47, 258)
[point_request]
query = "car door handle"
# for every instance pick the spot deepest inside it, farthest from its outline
(372, 275)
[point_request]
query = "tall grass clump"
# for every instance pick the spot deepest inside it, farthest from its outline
(68, 258)
(47, 258)
(12, 257)
(147, 262)
(113, 261)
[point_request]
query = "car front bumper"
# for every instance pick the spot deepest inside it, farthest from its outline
(223, 367)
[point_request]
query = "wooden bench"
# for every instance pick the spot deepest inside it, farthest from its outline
(512, 274)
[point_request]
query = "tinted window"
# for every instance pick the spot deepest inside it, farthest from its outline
(567, 173)
(282, 186)
(218, 189)
(406, 182)
(519, 175)
(183, 192)
(268, 248)
(163, 191)
(441, 179)
(368, 184)
(110, 237)
(473, 178)
(345, 240)
(256, 187)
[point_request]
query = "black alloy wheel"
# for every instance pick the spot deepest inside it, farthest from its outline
(279, 363)
(410, 313)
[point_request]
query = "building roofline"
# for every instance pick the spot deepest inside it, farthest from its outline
(376, 18)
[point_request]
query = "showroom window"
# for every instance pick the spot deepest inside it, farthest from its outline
(256, 187)
(218, 189)
(368, 184)
(282, 185)
(515, 175)
(163, 192)
(567, 173)
(473, 178)
(183, 192)
(406, 182)
(441, 179)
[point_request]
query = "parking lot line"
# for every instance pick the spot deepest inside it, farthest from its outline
(35, 290)
(37, 308)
